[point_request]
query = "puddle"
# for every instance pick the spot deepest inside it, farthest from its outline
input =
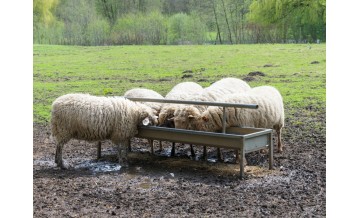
(48, 163)
(97, 167)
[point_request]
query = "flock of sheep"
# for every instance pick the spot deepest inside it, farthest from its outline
(91, 118)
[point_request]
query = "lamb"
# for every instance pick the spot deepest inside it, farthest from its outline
(214, 93)
(270, 113)
(145, 93)
(91, 118)
(182, 91)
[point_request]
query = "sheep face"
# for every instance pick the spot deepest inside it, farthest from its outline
(186, 118)
(209, 123)
(166, 114)
(147, 116)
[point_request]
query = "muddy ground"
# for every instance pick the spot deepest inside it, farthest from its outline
(182, 186)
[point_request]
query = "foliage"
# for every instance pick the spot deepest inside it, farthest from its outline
(305, 19)
(140, 29)
(113, 22)
(186, 29)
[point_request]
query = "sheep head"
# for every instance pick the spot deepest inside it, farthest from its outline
(186, 118)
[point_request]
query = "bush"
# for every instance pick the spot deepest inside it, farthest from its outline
(140, 29)
(186, 29)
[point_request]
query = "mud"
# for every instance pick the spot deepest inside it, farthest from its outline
(183, 186)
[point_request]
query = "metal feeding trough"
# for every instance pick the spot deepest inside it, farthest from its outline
(244, 139)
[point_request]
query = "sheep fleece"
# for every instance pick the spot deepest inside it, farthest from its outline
(270, 113)
(91, 118)
(145, 93)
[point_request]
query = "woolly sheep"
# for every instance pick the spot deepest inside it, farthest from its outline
(146, 93)
(214, 93)
(270, 113)
(91, 118)
(181, 91)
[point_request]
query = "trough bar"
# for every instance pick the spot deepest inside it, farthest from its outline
(243, 139)
(220, 104)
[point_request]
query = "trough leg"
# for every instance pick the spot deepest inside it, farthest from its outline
(192, 150)
(122, 153)
(242, 163)
(99, 150)
(173, 150)
(271, 152)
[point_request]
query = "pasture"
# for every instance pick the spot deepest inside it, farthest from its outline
(179, 186)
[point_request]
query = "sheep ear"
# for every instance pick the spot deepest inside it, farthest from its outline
(171, 119)
(146, 121)
(191, 116)
(206, 119)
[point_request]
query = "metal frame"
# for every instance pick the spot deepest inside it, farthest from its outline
(240, 138)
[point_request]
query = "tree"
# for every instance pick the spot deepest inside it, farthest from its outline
(304, 17)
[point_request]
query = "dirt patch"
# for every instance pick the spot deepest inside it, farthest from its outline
(248, 78)
(256, 73)
(183, 186)
(187, 76)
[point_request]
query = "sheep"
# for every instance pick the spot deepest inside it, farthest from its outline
(181, 91)
(214, 93)
(91, 118)
(270, 113)
(146, 93)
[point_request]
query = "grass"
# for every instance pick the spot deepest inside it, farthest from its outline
(111, 70)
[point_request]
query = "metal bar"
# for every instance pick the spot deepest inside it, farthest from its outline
(220, 104)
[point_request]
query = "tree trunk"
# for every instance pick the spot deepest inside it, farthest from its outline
(217, 23)
(227, 21)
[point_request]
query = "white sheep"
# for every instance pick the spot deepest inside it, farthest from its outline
(214, 93)
(91, 118)
(270, 113)
(181, 91)
(144, 93)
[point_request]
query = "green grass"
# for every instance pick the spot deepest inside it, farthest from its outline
(113, 70)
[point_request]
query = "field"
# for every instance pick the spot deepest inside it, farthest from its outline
(157, 185)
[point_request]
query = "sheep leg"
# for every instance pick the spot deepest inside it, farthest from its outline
(280, 146)
(129, 145)
(219, 155)
(173, 150)
(58, 155)
(151, 142)
(99, 150)
(237, 159)
(122, 153)
(192, 150)
(161, 147)
(205, 154)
